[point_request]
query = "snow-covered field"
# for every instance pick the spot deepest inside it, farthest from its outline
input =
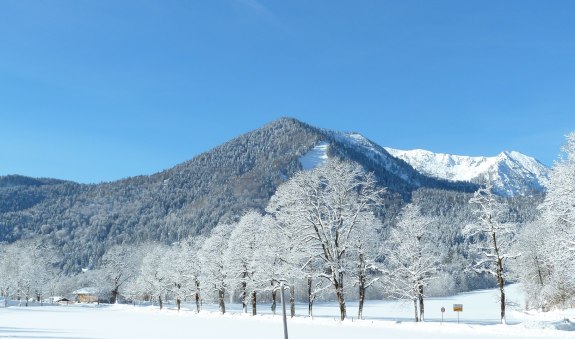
(383, 319)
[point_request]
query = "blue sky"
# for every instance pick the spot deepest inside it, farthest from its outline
(100, 90)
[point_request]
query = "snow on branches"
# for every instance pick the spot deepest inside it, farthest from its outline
(326, 206)
(411, 257)
(548, 245)
(492, 235)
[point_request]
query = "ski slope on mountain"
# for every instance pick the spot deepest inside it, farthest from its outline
(316, 157)
(388, 319)
(512, 173)
(357, 142)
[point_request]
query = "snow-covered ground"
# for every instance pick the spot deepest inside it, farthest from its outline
(383, 319)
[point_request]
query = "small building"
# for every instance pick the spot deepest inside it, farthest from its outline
(64, 301)
(86, 295)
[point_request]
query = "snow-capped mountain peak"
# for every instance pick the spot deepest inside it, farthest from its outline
(512, 173)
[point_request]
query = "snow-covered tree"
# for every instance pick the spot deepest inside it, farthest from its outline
(271, 269)
(182, 270)
(8, 271)
(411, 257)
(296, 255)
(213, 262)
(365, 242)
(559, 204)
(243, 258)
(119, 264)
(154, 279)
(326, 205)
(176, 273)
(532, 267)
(492, 234)
(316, 285)
(547, 246)
(46, 259)
(192, 248)
(26, 270)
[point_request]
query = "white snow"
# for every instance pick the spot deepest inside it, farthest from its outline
(316, 157)
(512, 172)
(86, 290)
(372, 150)
(384, 319)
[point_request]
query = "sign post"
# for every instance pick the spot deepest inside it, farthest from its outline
(442, 311)
(458, 308)
(283, 310)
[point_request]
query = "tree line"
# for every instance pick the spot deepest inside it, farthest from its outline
(322, 234)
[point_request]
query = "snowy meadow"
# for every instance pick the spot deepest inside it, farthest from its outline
(389, 319)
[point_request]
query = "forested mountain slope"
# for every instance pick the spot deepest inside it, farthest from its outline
(192, 197)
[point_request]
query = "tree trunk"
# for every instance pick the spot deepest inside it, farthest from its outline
(178, 302)
(244, 297)
(221, 294)
(160, 301)
(274, 298)
(198, 303)
(114, 295)
(421, 307)
(500, 281)
(310, 297)
(341, 302)
(254, 303)
(415, 307)
(503, 320)
(292, 300)
(361, 286)
(338, 284)
(501, 284)
(361, 301)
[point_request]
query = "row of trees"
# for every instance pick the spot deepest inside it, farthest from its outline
(27, 271)
(318, 228)
(540, 254)
(322, 233)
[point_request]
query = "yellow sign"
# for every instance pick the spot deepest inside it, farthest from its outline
(457, 307)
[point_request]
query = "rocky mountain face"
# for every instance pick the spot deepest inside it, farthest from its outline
(511, 173)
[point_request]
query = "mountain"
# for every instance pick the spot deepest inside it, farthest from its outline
(512, 173)
(19, 180)
(19, 193)
(192, 197)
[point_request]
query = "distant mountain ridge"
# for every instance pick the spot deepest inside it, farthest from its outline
(512, 173)
(20, 180)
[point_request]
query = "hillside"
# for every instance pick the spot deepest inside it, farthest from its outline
(192, 197)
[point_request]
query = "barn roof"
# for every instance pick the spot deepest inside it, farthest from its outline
(86, 290)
